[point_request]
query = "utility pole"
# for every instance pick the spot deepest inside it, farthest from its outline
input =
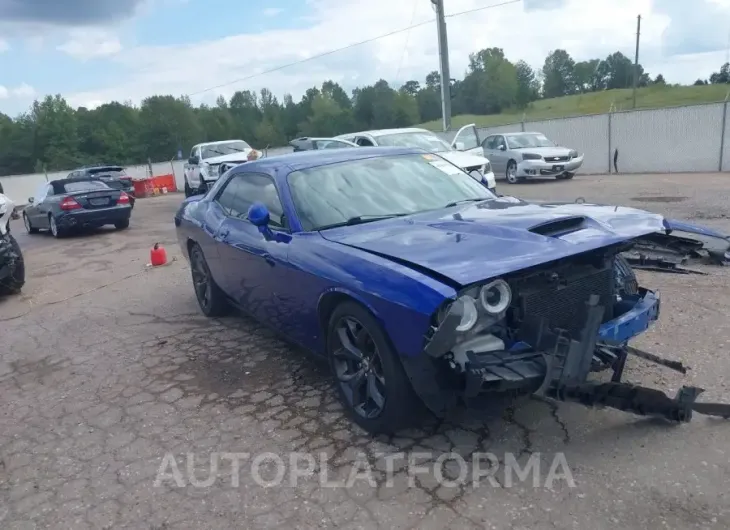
(636, 59)
(444, 64)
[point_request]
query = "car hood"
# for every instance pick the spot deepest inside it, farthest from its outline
(233, 157)
(467, 244)
(463, 159)
(545, 151)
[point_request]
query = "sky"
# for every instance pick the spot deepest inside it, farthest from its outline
(95, 51)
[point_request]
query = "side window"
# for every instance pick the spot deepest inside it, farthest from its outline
(488, 143)
(499, 141)
(364, 142)
(245, 189)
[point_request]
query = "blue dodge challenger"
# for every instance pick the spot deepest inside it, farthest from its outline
(423, 290)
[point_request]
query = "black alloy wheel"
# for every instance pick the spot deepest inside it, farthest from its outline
(370, 378)
(211, 299)
(359, 368)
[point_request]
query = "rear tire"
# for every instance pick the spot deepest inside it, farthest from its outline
(55, 230)
(383, 401)
(211, 299)
(121, 225)
(28, 226)
(188, 189)
(15, 282)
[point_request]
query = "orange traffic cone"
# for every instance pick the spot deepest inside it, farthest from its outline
(158, 256)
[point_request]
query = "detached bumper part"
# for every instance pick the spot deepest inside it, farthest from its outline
(557, 366)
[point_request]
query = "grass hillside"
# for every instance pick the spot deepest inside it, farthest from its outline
(596, 103)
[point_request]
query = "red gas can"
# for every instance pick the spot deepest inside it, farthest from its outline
(158, 256)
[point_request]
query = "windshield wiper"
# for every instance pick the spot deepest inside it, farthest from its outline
(361, 219)
(456, 203)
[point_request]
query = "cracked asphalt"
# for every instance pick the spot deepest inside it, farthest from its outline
(108, 371)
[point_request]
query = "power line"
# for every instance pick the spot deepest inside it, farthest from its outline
(408, 39)
(508, 2)
(344, 48)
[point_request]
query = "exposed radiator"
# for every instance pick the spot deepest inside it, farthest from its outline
(563, 306)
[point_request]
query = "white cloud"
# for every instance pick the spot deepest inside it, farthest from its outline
(585, 29)
(4, 46)
(91, 43)
(272, 11)
(22, 91)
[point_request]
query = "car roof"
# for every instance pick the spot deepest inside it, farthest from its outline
(519, 133)
(220, 142)
(282, 165)
(382, 132)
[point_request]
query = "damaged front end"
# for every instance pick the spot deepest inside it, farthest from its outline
(542, 332)
(679, 244)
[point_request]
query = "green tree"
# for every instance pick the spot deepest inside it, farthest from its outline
(528, 87)
(558, 75)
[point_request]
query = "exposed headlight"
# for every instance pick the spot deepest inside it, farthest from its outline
(486, 168)
(495, 297)
(531, 156)
(466, 307)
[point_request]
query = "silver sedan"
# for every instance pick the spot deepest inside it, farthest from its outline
(527, 155)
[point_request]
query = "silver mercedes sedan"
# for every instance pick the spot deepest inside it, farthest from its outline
(527, 155)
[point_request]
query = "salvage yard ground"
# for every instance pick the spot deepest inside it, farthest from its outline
(106, 368)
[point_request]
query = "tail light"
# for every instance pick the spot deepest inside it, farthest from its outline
(123, 199)
(69, 203)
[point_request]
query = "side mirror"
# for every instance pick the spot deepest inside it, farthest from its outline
(502, 147)
(31, 200)
(258, 214)
(193, 160)
(459, 146)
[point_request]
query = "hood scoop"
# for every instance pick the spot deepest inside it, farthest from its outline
(561, 227)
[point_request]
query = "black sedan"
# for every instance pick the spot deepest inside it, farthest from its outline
(72, 203)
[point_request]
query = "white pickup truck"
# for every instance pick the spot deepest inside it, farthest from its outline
(204, 165)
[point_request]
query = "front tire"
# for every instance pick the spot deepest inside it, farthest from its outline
(371, 382)
(188, 190)
(15, 282)
(28, 226)
(565, 176)
(511, 173)
(212, 301)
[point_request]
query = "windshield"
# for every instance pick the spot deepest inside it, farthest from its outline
(423, 140)
(227, 148)
(392, 185)
(84, 185)
(520, 141)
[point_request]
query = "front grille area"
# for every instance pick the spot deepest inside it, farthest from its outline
(557, 158)
(563, 305)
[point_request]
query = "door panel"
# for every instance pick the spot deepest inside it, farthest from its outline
(467, 140)
(255, 270)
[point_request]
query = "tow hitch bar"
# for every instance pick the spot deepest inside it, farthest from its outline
(642, 401)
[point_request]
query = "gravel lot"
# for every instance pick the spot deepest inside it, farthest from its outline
(106, 367)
